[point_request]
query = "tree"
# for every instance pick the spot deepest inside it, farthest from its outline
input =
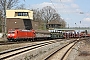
(22, 6)
(46, 14)
(0, 21)
(37, 16)
(9, 4)
(63, 23)
(6, 4)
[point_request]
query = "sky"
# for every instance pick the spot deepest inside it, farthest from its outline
(72, 11)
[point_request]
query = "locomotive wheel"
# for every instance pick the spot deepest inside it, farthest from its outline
(31, 40)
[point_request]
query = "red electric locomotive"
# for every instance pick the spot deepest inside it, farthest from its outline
(18, 34)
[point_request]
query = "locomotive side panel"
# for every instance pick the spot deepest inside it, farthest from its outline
(30, 34)
(21, 34)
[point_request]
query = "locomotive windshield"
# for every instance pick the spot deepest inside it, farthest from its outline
(11, 32)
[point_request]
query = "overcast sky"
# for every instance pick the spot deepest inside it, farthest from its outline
(72, 11)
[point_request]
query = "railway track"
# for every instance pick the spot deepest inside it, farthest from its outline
(18, 42)
(9, 43)
(61, 53)
(6, 55)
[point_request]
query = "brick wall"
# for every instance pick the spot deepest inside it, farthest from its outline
(15, 23)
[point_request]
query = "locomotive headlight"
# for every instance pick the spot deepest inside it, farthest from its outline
(8, 34)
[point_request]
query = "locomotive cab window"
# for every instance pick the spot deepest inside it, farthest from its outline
(11, 32)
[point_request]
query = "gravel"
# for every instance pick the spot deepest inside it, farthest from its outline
(81, 51)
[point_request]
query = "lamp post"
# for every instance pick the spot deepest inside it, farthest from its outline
(79, 29)
(75, 24)
(68, 25)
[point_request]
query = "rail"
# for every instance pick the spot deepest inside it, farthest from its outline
(5, 55)
(50, 57)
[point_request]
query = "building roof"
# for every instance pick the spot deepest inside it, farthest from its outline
(54, 22)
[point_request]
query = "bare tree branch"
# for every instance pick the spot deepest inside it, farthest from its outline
(47, 14)
(22, 6)
(9, 3)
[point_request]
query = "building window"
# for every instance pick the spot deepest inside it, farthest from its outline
(21, 13)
